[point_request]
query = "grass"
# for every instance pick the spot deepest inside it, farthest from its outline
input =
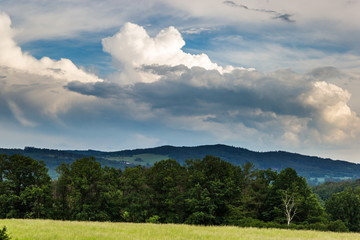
(66, 230)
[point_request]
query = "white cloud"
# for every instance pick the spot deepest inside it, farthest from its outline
(32, 88)
(13, 57)
(132, 48)
(331, 109)
(290, 108)
(172, 89)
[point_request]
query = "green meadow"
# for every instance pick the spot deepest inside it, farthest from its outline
(67, 230)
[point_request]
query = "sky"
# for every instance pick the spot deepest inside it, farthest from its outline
(108, 75)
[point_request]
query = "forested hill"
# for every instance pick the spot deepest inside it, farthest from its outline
(313, 168)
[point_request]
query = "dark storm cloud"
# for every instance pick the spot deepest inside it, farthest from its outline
(265, 92)
(100, 89)
(276, 15)
(177, 94)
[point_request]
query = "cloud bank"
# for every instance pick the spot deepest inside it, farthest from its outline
(284, 105)
(31, 87)
(13, 57)
(161, 87)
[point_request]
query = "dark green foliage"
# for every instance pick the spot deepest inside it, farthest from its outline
(167, 179)
(207, 191)
(345, 206)
(112, 193)
(255, 186)
(86, 191)
(25, 188)
(337, 226)
(4, 235)
(289, 185)
(136, 195)
(326, 190)
(213, 186)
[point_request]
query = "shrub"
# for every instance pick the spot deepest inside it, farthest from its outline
(337, 226)
(200, 218)
(4, 235)
(317, 226)
(153, 219)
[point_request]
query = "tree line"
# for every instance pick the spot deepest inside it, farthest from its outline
(206, 191)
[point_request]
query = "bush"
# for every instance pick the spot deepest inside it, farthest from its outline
(4, 235)
(337, 226)
(317, 219)
(200, 218)
(317, 226)
(153, 219)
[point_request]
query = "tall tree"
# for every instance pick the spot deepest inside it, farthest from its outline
(290, 198)
(255, 186)
(26, 188)
(112, 193)
(345, 206)
(137, 197)
(80, 190)
(167, 179)
(212, 187)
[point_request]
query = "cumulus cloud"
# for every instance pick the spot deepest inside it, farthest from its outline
(12, 56)
(283, 106)
(31, 89)
(331, 111)
(132, 48)
(159, 84)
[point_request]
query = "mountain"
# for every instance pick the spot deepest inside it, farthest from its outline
(314, 169)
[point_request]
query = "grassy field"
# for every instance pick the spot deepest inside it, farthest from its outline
(65, 230)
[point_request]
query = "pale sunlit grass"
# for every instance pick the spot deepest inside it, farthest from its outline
(66, 230)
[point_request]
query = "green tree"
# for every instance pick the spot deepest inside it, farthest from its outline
(80, 190)
(255, 186)
(137, 197)
(26, 188)
(62, 191)
(345, 206)
(112, 193)
(167, 179)
(213, 186)
(291, 198)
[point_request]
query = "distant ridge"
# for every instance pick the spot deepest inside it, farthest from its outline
(315, 169)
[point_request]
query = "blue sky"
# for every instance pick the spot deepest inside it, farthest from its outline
(112, 75)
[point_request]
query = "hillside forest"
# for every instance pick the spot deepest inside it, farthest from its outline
(207, 191)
